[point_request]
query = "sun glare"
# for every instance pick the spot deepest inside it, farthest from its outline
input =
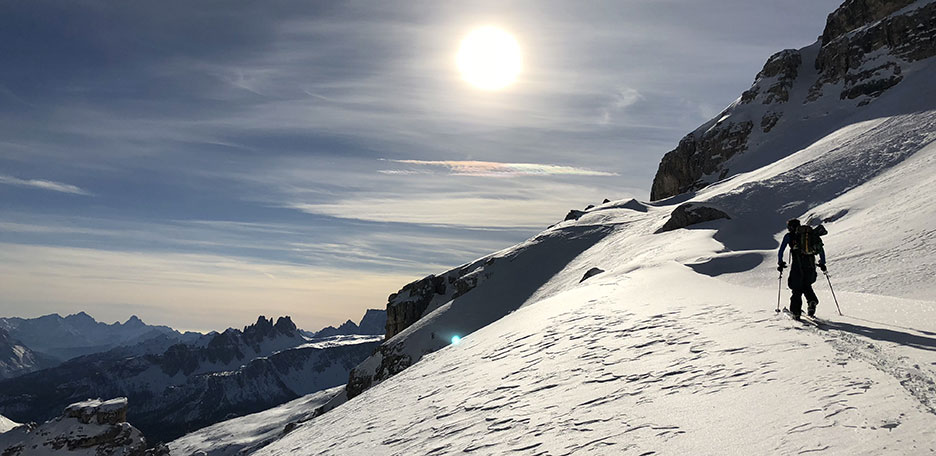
(489, 58)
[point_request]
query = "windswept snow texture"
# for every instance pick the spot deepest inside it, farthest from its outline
(676, 347)
(249, 433)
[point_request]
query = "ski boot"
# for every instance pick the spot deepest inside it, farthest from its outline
(811, 308)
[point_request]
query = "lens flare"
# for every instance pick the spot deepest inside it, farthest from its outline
(456, 340)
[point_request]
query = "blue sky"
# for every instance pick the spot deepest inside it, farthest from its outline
(202, 163)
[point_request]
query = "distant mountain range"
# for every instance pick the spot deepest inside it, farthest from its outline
(178, 383)
(374, 322)
(17, 359)
(53, 338)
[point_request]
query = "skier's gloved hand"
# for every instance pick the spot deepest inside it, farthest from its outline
(782, 265)
(822, 266)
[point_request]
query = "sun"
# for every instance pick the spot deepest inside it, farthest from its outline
(489, 58)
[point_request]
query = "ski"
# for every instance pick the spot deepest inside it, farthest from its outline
(805, 319)
(816, 321)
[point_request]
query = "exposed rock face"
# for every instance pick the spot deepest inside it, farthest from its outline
(856, 13)
(698, 154)
(690, 214)
(591, 273)
(94, 425)
(864, 50)
(113, 411)
(574, 214)
(776, 78)
(865, 47)
(407, 305)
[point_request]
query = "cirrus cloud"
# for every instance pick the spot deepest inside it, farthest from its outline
(498, 169)
(44, 185)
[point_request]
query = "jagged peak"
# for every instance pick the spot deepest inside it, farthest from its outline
(82, 315)
(854, 14)
(285, 324)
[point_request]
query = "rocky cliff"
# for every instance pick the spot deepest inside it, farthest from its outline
(91, 427)
(866, 48)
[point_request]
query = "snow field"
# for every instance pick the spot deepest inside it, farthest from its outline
(616, 367)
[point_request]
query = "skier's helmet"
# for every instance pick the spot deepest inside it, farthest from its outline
(792, 224)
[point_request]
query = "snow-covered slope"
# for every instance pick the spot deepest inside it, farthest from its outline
(606, 335)
(17, 359)
(249, 433)
(6, 424)
(676, 349)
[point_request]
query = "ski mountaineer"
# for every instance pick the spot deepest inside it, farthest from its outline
(804, 244)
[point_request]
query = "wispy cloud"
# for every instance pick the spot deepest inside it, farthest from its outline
(44, 185)
(497, 169)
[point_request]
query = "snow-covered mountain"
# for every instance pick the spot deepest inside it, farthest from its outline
(650, 327)
(868, 48)
(18, 359)
(191, 386)
(80, 334)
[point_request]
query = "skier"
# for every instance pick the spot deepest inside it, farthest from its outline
(804, 244)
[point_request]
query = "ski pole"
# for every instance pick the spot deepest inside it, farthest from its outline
(779, 288)
(833, 292)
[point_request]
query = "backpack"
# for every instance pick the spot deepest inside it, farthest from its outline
(808, 240)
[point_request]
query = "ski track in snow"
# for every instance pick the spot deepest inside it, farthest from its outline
(620, 375)
(919, 381)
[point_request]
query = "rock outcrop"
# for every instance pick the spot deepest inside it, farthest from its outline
(690, 214)
(698, 154)
(591, 273)
(864, 50)
(865, 46)
(406, 307)
(409, 304)
(95, 426)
